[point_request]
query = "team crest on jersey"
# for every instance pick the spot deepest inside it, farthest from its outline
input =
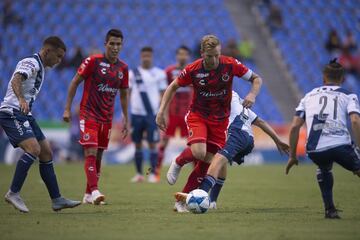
(120, 75)
(86, 136)
(225, 77)
(191, 133)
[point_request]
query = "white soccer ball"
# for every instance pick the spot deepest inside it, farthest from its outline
(198, 201)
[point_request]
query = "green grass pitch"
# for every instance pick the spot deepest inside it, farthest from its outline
(257, 202)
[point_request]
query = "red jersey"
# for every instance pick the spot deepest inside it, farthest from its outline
(102, 82)
(212, 89)
(179, 105)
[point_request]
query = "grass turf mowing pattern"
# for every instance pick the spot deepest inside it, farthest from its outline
(257, 202)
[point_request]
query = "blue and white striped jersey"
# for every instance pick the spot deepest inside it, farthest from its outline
(33, 70)
(246, 115)
(325, 110)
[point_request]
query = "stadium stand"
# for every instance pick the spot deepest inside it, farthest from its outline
(306, 25)
(162, 24)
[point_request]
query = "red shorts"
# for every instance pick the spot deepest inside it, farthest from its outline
(202, 130)
(174, 123)
(94, 134)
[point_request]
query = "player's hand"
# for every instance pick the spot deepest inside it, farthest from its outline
(67, 115)
(283, 147)
(24, 106)
(161, 121)
(291, 162)
(249, 100)
(124, 130)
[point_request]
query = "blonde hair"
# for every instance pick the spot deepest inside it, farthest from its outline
(209, 42)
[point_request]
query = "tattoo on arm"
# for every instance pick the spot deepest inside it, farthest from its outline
(16, 84)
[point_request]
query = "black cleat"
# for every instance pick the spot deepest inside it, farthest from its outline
(332, 213)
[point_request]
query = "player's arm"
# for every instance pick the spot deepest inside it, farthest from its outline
(355, 126)
(256, 83)
(167, 97)
(16, 84)
(124, 101)
(282, 147)
(293, 141)
(70, 96)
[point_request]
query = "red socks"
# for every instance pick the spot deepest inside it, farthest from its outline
(160, 159)
(91, 173)
(196, 176)
(185, 157)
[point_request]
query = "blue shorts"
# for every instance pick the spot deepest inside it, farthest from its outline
(19, 127)
(344, 155)
(141, 124)
(238, 144)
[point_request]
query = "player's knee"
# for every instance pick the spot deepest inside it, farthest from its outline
(33, 148)
(199, 154)
(90, 152)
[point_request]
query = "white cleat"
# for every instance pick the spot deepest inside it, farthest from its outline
(213, 206)
(173, 172)
(97, 197)
(152, 178)
(180, 207)
(87, 199)
(138, 178)
(15, 200)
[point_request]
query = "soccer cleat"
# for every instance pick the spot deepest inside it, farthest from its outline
(180, 207)
(173, 172)
(97, 197)
(181, 197)
(15, 200)
(87, 199)
(152, 178)
(332, 214)
(213, 205)
(137, 178)
(62, 203)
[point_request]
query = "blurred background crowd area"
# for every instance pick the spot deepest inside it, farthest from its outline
(287, 42)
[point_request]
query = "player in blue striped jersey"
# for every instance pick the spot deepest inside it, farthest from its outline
(325, 110)
(22, 129)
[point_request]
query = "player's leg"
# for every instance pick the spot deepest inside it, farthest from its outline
(197, 150)
(20, 134)
(349, 158)
(153, 137)
(325, 180)
(48, 175)
(138, 126)
(161, 152)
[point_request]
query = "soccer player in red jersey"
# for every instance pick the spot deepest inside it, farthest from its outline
(104, 75)
(179, 105)
(207, 120)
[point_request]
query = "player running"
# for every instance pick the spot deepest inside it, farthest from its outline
(104, 75)
(178, 106)
(22, 129)
(207, 120)
(240, 142)
(147, 87)
(325, 111)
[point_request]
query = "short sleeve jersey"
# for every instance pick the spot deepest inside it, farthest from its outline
(213, 89)
(102, 80)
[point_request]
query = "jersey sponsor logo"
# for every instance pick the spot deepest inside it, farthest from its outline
(213, 94)
(202, 75)
(103, 64)
(105, 88)
(225, 77)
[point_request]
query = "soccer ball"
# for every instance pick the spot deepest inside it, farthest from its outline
(198, 201)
